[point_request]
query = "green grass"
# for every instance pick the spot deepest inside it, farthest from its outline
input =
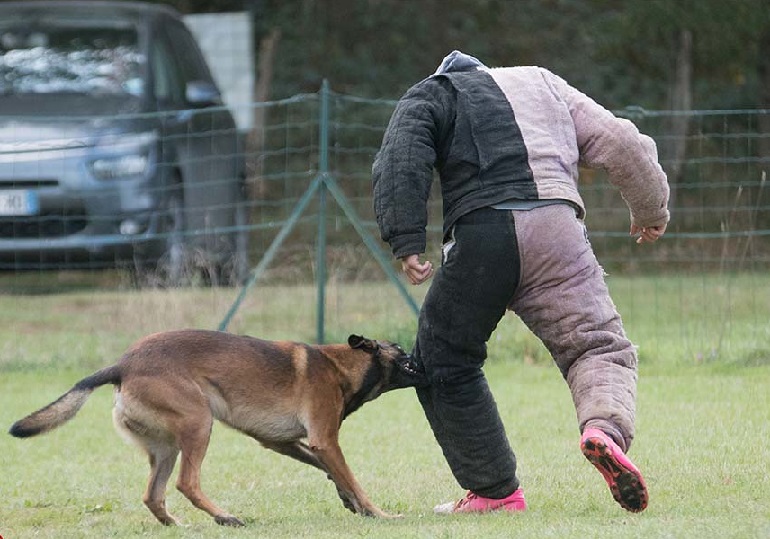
(702, 430)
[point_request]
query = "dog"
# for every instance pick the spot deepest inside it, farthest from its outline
(291, 397)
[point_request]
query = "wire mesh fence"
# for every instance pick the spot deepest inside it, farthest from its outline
(720, 204)
(187, 200)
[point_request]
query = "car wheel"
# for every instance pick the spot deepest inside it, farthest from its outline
(230, 259)
(241, 267)
(164, 265)
(173, 263)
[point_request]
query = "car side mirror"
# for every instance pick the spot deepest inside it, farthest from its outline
(202, 94)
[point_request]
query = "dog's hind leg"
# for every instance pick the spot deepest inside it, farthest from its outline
(301, 452)
(157, 442)
(162, 461)
(193, 439)
(296, 450)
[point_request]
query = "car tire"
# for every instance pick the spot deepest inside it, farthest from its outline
(231, 255)
(165, 265)
(241, 267)
(172, 266)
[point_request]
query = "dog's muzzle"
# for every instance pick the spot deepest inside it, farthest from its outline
(410, 372)
(410, 365)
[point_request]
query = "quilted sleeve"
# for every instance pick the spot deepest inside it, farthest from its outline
(402, 172)
(616, 145)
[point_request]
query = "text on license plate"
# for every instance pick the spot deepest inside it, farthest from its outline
(18, 202)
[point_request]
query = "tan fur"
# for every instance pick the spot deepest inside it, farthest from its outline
(291, 397)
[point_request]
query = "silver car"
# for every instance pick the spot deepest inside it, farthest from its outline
(114, 144)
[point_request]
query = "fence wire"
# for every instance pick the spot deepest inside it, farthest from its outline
(66, 199)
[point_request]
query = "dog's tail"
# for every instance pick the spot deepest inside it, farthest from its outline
(65, 407)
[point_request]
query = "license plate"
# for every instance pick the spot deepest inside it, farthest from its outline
(18, 202)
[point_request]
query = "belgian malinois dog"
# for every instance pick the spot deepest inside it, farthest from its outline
(290, 397)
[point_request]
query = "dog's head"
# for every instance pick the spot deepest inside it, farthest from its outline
(399, 369)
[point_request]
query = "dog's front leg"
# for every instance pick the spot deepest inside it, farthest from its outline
(301, 452)
(296, 450)
(327, 450)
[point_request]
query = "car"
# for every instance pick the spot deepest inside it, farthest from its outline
(115, 146)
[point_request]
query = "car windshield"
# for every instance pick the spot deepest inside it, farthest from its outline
(79, 57)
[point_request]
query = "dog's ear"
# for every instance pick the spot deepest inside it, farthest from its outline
(359, 341)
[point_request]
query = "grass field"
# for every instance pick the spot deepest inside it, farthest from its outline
(702, 441)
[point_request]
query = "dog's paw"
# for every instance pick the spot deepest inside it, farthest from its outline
(376, 512)
(346, 501)
(168, 520)
(349, 506)
(229, 520)
(389, 515)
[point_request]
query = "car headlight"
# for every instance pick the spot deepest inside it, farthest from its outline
(132, 159)
(119, 167)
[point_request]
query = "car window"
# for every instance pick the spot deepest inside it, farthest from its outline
(45, 56)
(190, 60)
(167, 79)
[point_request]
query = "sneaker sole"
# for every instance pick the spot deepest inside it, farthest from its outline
(625, 481)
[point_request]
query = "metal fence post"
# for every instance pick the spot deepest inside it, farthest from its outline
(324, 184)
(323, 166)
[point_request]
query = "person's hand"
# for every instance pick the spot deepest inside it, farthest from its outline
(648, 234)
(417, 272)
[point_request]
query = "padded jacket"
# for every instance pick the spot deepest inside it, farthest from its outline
(501, 134)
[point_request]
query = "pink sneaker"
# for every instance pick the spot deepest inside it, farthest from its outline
(624, 479)
(473, 503)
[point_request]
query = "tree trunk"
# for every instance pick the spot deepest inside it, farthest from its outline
(673, 153)
(763, 99)
(256, 139)
(763, 122)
